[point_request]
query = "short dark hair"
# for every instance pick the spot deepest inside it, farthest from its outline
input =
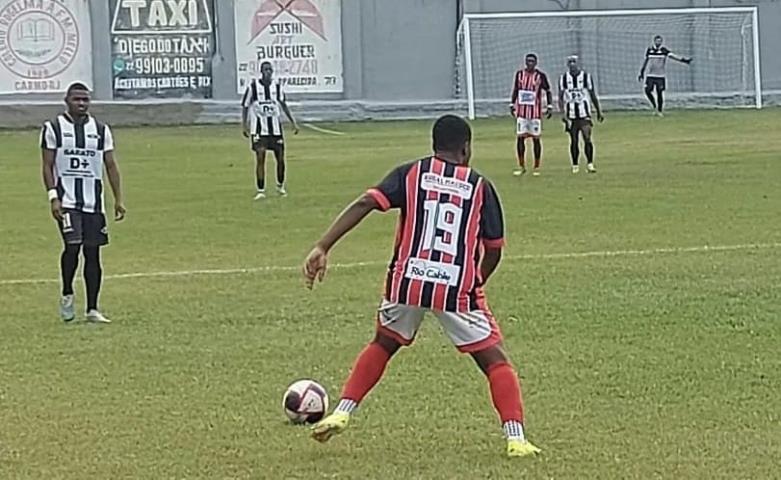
(658, 36)
(531, 55)
(76, 86)
(266, 63)
(450, 133)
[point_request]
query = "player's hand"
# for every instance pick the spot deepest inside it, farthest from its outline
(119, 212)
(549, 111)
(600, 117)
(512, 110)
(245, 132)
(315, 266)
(57, 209)
(687, 60)
(567, 125)
(640, 77)
(295, 129)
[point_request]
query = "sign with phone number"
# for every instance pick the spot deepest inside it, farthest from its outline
(162, 49)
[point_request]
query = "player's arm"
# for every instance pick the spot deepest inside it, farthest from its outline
(545, 85)
(592, 93)
(491, 232)
(246, 102)
(114, 177)
(390, 193)
(642, 69)
(48, 154)
(514, 94)
(283, 103)
(679, 58)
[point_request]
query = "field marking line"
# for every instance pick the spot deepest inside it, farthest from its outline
(322, 130)
(543, 256)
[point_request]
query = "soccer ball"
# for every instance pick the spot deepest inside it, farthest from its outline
(305, 401)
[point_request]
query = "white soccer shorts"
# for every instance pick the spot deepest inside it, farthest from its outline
(469, 332)
(528, 127)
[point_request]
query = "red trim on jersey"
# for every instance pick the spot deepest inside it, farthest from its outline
(415, 294)
(472, 271)
(406, 231)
(380, 198)
(493, 243)
(529, 81)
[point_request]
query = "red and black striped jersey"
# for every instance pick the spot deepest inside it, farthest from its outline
(527, 93)
(448, 214)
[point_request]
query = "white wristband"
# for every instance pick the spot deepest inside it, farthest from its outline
(53, 194)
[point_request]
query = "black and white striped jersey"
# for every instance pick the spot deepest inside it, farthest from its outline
(575, 89)
(78, 164)
(263, 102)
(657, 61)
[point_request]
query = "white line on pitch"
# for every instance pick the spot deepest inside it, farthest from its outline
(322, 130)
(543, 256)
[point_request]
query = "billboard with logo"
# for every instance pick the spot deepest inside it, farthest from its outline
(301, 38)
(44, 45)
(162, 49)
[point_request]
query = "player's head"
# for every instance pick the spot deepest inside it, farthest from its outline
(573, 63)
(452, 136)
(77, 98)
(266, 70)
(658, 41)
(531, 61)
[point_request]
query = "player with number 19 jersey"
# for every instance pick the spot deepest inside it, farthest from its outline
(448, 214)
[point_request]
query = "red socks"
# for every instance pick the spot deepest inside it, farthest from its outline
(505, 392)
(366, 372)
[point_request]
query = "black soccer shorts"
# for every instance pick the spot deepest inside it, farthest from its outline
(79, 228)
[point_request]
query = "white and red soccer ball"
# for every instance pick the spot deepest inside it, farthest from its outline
(305, 401)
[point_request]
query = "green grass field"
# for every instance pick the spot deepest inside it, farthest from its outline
(649, 356)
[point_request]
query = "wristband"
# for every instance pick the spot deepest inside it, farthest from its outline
(53, 194)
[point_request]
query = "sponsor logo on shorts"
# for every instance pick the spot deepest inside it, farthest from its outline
(451, 186)
(436, 272)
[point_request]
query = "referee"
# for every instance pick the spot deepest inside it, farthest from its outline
(75, 148)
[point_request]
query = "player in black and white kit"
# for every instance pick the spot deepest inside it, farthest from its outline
(75, 149)
(576, 99)
(656, 75)
(260, 118)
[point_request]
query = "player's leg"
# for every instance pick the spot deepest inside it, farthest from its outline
(588, 146)
(649, 89)
(260, 168)
(95, 236)
(537, 142)
(397, 325)
(279, 155)
(71, 231)
(574, 148)
(660, 96)
(520, 152)
(520, 145)
(478, 334)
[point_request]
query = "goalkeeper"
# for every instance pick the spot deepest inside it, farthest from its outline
(655, 63)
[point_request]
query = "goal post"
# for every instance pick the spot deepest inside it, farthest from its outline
(723, 41)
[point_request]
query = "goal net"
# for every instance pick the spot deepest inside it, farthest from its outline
(611, 45)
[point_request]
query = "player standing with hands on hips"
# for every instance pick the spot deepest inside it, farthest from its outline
(526, 106)
(75, 148)
(260, 120)
(655, 75)
(576, 98)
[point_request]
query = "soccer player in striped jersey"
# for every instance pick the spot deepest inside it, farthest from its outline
(76, 148)
(655, 75)
(577, 97)
(448, 243)
(526, 106)
(260, 118)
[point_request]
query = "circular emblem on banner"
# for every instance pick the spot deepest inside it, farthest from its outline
(38, 40)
